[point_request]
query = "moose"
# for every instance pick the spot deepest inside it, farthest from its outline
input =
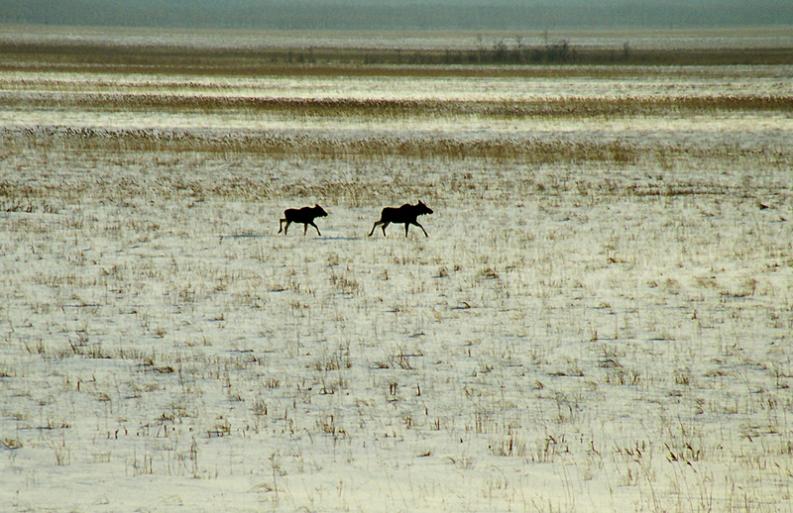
(406, 214)
(305, 216)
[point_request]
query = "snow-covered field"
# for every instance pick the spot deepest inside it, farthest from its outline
(581, 331)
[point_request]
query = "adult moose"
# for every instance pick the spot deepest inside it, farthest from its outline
(305, 216)
(406, 214)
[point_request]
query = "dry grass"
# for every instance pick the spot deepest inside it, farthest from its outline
(194, 177)
(290, 145)
(314, 146)
(386, 108)
(606, 322)
(92, 57)
(525, 342)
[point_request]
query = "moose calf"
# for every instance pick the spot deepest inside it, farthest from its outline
(406, 214)
(305, 216)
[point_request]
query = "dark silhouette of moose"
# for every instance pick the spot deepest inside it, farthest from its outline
(406, 214)
(305, 216)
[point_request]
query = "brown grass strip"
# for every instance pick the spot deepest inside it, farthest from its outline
(322, 61)
(344, 107)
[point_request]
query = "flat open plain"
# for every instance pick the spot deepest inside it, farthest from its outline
(600, 319)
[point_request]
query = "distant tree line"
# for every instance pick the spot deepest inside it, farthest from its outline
(500, 53)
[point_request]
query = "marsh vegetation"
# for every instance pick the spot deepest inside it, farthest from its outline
(613, 333)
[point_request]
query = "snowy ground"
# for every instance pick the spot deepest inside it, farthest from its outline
(580, 335)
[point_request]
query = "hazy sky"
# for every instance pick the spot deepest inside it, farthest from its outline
(401, 14)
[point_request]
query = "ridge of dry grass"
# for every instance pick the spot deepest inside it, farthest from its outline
(311, 145)
(277, 144)
(546, 107)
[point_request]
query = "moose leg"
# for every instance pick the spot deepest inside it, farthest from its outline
(305, 229)
(406, 229)
(374, 226)
(315, 226)
(417, 224)
(384, 227)
(281, 226)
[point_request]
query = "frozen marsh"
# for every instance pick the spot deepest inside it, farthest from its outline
(600, 318)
